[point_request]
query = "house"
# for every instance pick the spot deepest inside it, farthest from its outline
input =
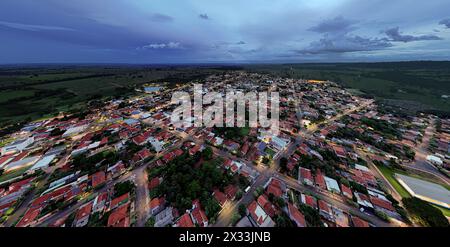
(119, 201)
(346, 191)
(165, 217)
(268, 207)
(116, 170)
(384, 206)
(194, 149)
(231, 145)
(340, 218)
(100, 202)
(363, 201)
(82, 216)
(30, 218)
(142, 155)
(358, 222)
(279, 143)
(320, 180)
(275, 187)
(98, 179)
(185, 221)
(154, 183)
(17, 146)
(308, 200)
(296, 215)
(339, 151)
(245, 148)
(325, 210)
(157, 205)
(332, 185)
(140, 140)
(20, 185)
(305, 176)
(198, 215)
(119, 217)
(230, 191)
(220, 197)
(259, 216)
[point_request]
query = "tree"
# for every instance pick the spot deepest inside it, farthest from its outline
(283, 163)
(235, 218)
(242, 210)
(150, 222)
(424, 214)
(212, 207)
(124, 187)
(282, 220)
(207, 153)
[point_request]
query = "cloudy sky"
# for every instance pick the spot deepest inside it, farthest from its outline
(202, 31)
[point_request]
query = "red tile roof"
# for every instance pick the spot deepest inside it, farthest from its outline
(84, 211)
(324, 206)
(185, 221)
(116, 201)
(346, 191)
(19, 156)
(382, 203)
(357, 222)
(306, 174)
(231, 191)
(156, 202)
(296, 215)
(310, 201)
(119, 217)
(200, 217)
(154, 183)
(274, 188)
(98, 178)
(220, 197)
(320, 180)
(30, 216)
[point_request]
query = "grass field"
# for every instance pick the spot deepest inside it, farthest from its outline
(413, 86)
(33, 92)
(389, 175)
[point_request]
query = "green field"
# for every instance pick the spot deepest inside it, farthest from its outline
(31, 93)
(412, 86)
(389, 175)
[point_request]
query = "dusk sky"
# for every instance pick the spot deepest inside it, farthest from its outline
(203, 31)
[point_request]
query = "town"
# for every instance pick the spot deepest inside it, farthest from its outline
(339, 160)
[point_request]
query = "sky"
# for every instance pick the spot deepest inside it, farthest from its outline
(223, 31)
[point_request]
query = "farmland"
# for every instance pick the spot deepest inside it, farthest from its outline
(29, 93)
(32, 92)
(411, 86)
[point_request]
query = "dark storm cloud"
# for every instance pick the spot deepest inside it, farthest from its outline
(337, 38)
(445, 22)
(338, 24)
(345, 44)
(156, 31)
(157, 17)
(203, 16)
(395, 35)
